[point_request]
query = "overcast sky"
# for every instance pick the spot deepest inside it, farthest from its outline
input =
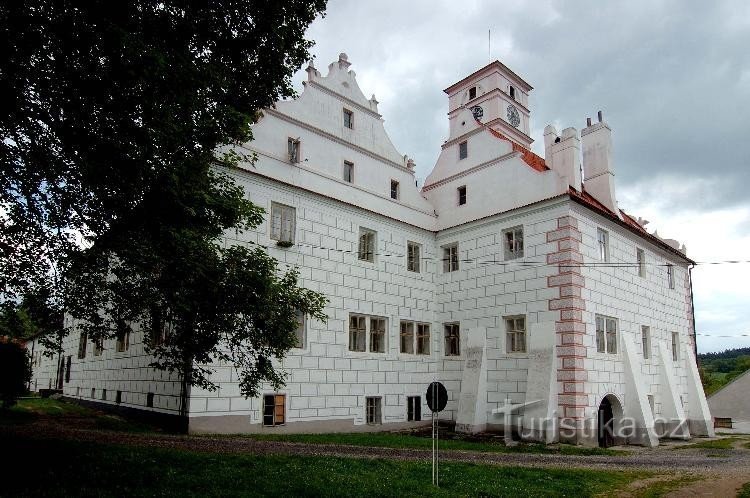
(672, 78)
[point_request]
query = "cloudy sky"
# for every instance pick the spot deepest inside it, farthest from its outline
(672, 78)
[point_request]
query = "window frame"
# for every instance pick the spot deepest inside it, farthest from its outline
(517, 251)
(670, 276)
(376, 336)
(450, 258)
(363, 255)
(350, 115)
(406, 336)
(604, 337)
(82, 344)
(474, 90)
(284, 212)
(463, 150)
(646, 341)
(98, 346)
(462, 195)
(640, 257)
(301, 330)
(397, 190)
(675, 346)
(513, 334)
(413, 408)
(413, 256)
(376, 410)
(122, 342)
(274, 412)
(368, 334)
(602, 242)
(293, 149)
(348, 168)
(451, 338)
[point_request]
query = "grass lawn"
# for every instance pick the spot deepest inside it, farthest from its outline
(744, 491)
(66, 468)
(406, 440)
(716, 444)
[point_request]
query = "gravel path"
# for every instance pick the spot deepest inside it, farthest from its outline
(712, 462)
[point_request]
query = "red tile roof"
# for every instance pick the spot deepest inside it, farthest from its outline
(528, 157)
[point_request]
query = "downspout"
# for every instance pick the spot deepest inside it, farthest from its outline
(692, 313)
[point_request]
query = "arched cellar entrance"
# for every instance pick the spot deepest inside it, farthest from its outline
(608, 421)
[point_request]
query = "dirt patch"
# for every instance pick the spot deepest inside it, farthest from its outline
(720, 486)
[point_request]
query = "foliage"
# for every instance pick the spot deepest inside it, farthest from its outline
(30, 317)
(170, 472)
(719, 369)
(117, 144)
(15, 372)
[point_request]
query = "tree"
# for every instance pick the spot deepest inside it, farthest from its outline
(116, 151)
(15, 372)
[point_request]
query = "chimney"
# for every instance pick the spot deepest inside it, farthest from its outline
(598, 167)
(562, 154)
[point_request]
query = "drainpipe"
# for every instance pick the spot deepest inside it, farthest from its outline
(692, 313)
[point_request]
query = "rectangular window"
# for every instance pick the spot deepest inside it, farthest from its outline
(423, 338)
(452, 339)
(366, 250)
(67, 369)
(123, 340)
(463, 150)
(406, 337)
(149, 400)
(394, 189)
(412, 256)
(602, 237)
(472, 93)
(373, 410)
(606, 334)
(513, 243)
(293, 149)
(515, 330)
(348, 119)
(646, 341)
(93, 393)
(377, 335)
(283, 219)
(300, 331)
(462, 195)
(670, 276)
(512, 92)
(357, 333)
(118, 397)
(274, 409)
(675, 346)
(640, 256)
(450, 258)
(348, 172)
(98, 346)
(82, 340)
(104, 395)
(413, 408)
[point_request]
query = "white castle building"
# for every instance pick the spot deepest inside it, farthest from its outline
(508, 277)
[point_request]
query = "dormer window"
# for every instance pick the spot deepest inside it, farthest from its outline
(394, 189)
(512, 92)
(472, 93)
(348, 119)
(463, 150)
(293, 148)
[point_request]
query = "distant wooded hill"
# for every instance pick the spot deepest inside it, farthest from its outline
(719, 369)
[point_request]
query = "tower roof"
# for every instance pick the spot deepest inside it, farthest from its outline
(497, 66)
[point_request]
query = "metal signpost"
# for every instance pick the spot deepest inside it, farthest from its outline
(437, 398)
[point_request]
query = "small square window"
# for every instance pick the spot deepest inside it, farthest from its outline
(513, 243)
(646, 341)
(366, 250)
(606, 334)
(515, 330)
(462, 195)
(602, 237)
(463, 150)
(640, 256)
(412, 256)
(675, 346)
(348, 119)
(373, 414)
(394, 189)
(283, 219)
(348, 172)
(423, 338)
(670, 276)
(357, 333)
(452, 339)
(413, 408)
(300, 330)
(406, 337)
(450, 258)
(472, 93)
(293, 149)
(274, 409)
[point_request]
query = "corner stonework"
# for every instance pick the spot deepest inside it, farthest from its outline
(569, 327)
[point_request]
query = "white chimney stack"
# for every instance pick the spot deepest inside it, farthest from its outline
(598, 167)
(562, 154)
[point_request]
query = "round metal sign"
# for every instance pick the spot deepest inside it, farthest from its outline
(437, 397)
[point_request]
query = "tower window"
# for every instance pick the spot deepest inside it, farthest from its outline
(462, 195)
(512, 92)
(472, 93)
(463, 150)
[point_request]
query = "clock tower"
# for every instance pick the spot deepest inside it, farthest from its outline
(497, 97)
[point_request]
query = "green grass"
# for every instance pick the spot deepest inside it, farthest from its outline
(662, 487)
(401, 440)
(744, 491)
(67, 468)
(715, 444)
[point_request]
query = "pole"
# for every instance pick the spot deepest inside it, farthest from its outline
(433, 448)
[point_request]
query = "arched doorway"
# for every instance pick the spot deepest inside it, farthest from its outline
(609, 420)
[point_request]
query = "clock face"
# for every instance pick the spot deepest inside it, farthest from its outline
(477, 111)
(513, 117)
